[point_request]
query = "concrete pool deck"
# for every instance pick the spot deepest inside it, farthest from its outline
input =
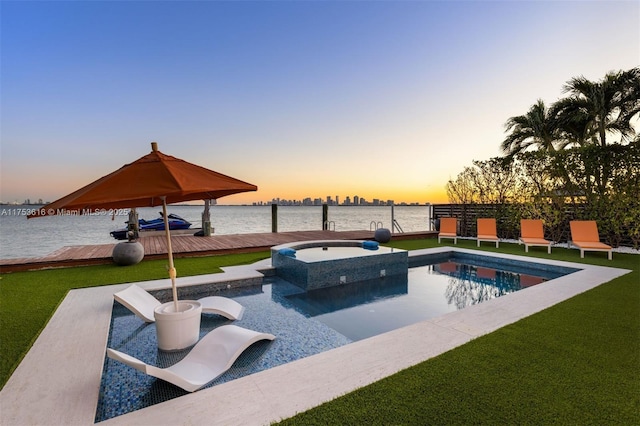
(59, 379)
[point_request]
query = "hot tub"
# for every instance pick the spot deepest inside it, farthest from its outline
(325, 263)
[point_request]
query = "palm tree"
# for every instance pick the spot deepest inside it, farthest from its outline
(574, 123)
(538, 128)
(630, 95)
(606, 106)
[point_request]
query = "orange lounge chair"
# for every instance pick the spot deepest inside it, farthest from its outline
(532, 234)
(584, 235)
(448, 229)
(487, 231)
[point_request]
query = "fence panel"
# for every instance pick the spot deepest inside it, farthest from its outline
(508, 221)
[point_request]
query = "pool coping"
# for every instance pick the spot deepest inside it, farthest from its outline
(58, 381)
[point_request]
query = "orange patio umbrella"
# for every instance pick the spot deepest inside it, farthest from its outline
(153, 180)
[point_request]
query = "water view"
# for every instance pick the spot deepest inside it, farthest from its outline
(22, 237)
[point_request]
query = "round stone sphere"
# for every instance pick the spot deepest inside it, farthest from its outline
(382, 235)
(128, 253)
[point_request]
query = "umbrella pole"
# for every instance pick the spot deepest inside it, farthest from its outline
(172, 269)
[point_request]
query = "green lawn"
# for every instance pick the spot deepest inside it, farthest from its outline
(575, 363)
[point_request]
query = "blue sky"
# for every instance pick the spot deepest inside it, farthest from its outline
(378, 99)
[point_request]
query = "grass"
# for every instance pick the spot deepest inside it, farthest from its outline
(577, 362)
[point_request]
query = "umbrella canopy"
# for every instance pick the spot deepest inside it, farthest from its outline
(144, 183)
(153, 180)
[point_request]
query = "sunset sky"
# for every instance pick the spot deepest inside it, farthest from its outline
(386, 99)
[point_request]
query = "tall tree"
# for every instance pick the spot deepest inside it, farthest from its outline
(605, 106)
(574, 124)
(536, 129)
(630, 95)
(462, 190)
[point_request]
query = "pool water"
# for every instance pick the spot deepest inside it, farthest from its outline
(369, 308)
(308, 323)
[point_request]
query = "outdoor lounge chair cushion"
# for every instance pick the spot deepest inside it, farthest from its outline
(141, 303)
(448, 229)
(532, 234)
(487, 230)
(585, 236)
(214, 354)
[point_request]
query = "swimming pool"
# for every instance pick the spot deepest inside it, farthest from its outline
(307, 323)
(456, 281)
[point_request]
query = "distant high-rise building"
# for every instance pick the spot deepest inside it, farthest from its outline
(331, 201)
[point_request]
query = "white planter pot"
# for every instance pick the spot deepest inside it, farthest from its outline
(178, 330)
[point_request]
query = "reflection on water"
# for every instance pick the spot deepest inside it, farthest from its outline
(471, 284)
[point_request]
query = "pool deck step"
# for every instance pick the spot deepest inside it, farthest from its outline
(155, 247)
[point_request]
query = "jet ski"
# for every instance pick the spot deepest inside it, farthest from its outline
(175, 222)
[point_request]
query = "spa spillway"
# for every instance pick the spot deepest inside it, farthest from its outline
(325, 263)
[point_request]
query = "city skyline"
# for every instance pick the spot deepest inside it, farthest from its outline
(329, 200)
(306, 201)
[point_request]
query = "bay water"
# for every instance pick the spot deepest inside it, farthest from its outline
(21, 237)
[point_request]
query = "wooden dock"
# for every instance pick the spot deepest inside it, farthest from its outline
(155, 247)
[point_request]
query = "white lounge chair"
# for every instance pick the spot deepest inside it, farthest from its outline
(214, 354)
(141, 303)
